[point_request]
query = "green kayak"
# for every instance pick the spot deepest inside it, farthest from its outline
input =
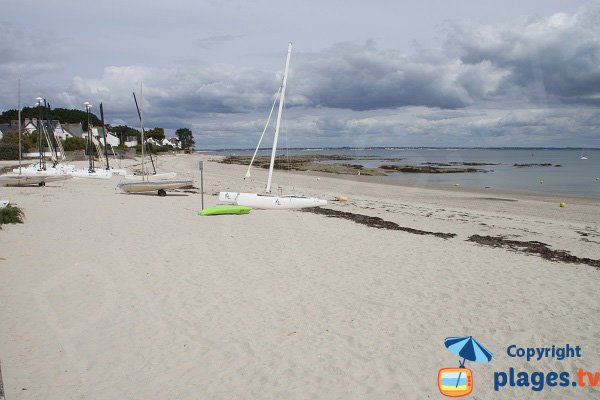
(224, 210)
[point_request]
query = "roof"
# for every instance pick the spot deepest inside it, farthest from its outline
(8, 128)
(74, 129)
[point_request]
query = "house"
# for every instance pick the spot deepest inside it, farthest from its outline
(30, 125)
(74, 128)
(173, 142)
(130, 141)
(111, 138)
(154, 142)
(12, 126)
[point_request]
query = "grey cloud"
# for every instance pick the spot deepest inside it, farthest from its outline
(463, 94)
(559, 54)
(35, 54)
(28, 55)
(364, 78)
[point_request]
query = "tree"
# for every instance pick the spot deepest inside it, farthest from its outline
(123, 131)
(61, 114)
(157, 134)
(74, 143)
(186, 138)
(9, 145)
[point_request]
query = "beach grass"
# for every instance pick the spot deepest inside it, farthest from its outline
(11, 215)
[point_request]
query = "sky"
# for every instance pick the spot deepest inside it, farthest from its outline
(380, 73)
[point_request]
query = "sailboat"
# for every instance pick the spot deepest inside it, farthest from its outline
(145, 184)
(268, 200)
(32, 175)
(154, 176)
(91, 172)
(115, 171)
(583, 157)
(46, 131)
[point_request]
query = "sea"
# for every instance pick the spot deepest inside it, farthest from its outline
(568, 174)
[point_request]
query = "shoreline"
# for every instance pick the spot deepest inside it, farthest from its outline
(418, 183)
(406, 181)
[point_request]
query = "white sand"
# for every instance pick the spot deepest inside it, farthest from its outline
(112, 296)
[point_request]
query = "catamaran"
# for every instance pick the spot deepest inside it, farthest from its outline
(36, 174)
(267, 200)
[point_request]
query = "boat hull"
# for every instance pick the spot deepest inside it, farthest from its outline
(270, 202)
(23, 180)
(152, 186)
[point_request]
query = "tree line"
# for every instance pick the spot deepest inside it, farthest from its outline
(9, 142)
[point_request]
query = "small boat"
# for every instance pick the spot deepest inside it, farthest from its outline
(270, 201)
(225, 210)
(145, 182)
(151, 186)
(13, 179)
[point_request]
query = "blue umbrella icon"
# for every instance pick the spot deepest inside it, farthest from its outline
(469, 349)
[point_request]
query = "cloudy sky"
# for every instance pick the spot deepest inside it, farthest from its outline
(379, 73)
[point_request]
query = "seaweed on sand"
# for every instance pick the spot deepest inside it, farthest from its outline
(374, 222)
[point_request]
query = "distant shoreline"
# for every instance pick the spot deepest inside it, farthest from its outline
(398, 148)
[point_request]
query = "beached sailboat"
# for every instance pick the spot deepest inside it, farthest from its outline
(268, 200)
(144, 184)
(36, 174)
(16, 179)
(149, 176)
(91, 172)
(115, 171)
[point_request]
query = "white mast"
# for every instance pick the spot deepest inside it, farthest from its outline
(142, 127)
(274, 150)
(19, 116)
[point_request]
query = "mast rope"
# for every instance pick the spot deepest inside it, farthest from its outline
(263, 132)
(287, 147)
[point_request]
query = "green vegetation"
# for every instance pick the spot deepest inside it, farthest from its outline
(186, 138)
(9, 144)
(156, 134)
(74, 143)
(11, 215)
(123, 131)
(9, 151)
(61, 114)
(9, 147)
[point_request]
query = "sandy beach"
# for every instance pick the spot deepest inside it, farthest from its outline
(107, 295)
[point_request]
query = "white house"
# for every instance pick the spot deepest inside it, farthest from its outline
(30, 125)
(111, 139)
(130, 141)
(173, 142)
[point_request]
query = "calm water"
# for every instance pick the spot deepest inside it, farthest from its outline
(575, 176)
